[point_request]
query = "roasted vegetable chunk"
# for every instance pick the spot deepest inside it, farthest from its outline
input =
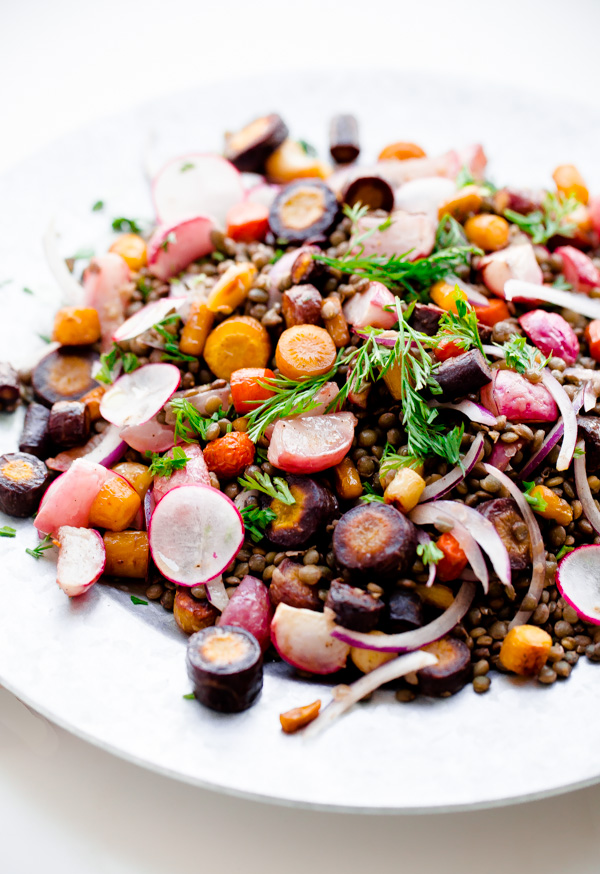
(192, 615)
(23, 481)
(69, 423)
(504, 515)
(297, 523)
(225, 666)
(525, 650)
(35, 437)
(304, 209)
(452, 671)
(64, 376)
(287, 588)
(249, 148)
(404, 612)
(301, 305)
(374, 538)
(354, 608)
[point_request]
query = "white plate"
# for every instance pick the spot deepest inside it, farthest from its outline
(114, 673)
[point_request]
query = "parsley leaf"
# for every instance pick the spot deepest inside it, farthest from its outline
(561, 283)
(126, 225)
(164, 465)
(187, 166)
(429, 553)
(171, 344)
(27, 291)
(113, 361)
(464, 177)
(551, 219)
(256, 520)
(190, 696)
(536, 501)
(275, 487)
(135, 600)
(45, 338)
(521, 356)
(307, 148)
(41, 548)
(564, 550)
(98, 206)
(7, 531)
(189, 423)
(370, 496)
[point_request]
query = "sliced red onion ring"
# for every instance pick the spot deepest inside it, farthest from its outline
(145, 318)
(444, 485)
(538, 552)
(474, 412)
(591, 390)
(565, 405)
(407, 641)
(138, 396)
(424, 539)
(216, 593)
(343, 700)
(502, 453)
(584, 493)
(386, 338)
(577, 303)
(550, 441)
(432, 514)
(70, 287)
(494, 351)
(579, 583)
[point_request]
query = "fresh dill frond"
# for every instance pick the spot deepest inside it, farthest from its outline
(550, 220)
(39, 550)
(522, 357)
(461, 328)
(190, 424)
(276, 487)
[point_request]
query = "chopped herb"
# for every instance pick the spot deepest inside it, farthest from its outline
(276, 487)
(578, 452)
(189, 423)
(190, 696)
(164, 465)
(112, 362)
(370, 496)
(256, 520)
(536, 501)
(4, 282)
(561, 283)
(450, 233)
(7, 531)
(551, 219)
(429, 553)
(135, 600)
(391, 460)
(279, 253)
(461, 328)
(171, 345)
(43, 546)
(170, 239)
(218, 256)
(99, 205)
(83, 254)
(28, 291)
(564, 550)
(127, 226)
(45, 338)
(464, 177)
(144, 287)
(307, 148)
(187, 166)
(522, 357)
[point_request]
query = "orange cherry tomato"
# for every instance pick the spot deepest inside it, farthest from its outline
(229, 455)
(451, 566)
(246, 389)
(247, 222)
(448, 349)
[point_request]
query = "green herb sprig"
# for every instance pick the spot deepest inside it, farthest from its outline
(429, 553)
(113, 361)
(461, 328)
(391, 460)
(275, 487)
(136, 600)
(551, 219)
(522, 357)
(41, 548)
(256, 519)
(370, 496)
(564, 550)
(164, 465)
(7, 531)
(191, 424)
(171, 346)
(126, 226)
(536, 502)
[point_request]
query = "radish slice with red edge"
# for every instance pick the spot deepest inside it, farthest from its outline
(346, 696)
(538, 550)
(309, 444)
(81, 559)
(578, 581)
(173, 247)
(216, 593)
(69, 498)
(456, 475)
(150, 436)
(138, 396)
(584, 493)
(516, 289)
(250, 607)
(145, 318)
(103, 286)
(196, 184)
(195, 532)
(407, 641)
(431, 514)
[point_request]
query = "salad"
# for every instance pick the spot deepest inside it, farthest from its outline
(338, 413)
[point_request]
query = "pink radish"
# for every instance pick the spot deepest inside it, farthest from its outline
(310, 444)
(148, 316)
(263, 193)
(323, 398)
(578, 581)
(552, 334)
(69, 499)
(515, 262)
(195, 472)
(413, 234)
(196, 184)
(250, 608)
(150, 436)
(195, 532)
(173, 247)
(579, 269)
(81, 559)
(105, 448)
(367, 307)
(424, 195)
(138, 396)
(303, 639)
(512, 395)
(103, 289)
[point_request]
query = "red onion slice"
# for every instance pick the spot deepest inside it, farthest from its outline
(474, 412)
(407, 641)
(386, 338)
(538, 552)
(346, 696)
(444, 485)
(432, 514)
(584, 493)
(565, 405)
(424, 539)
(550, 441)
(577, 303)
(591, 390)
(502, 453)
(216, 593)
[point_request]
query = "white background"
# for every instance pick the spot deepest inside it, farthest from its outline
(65, 806)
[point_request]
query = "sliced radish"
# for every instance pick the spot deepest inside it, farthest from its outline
(366, 309)
(552, 334)
(70, 497)
(303, 639)
(195, 532)
(512, 395)
(425, 195)
(194, 185)
(104, 284)
(105, 448)
(81, 559)
(410, 235)
(145, 318)
(578, 581)
(310, 444)
(173, 247)
(323, 399)
(137, 397)
(250, 608)
(579, 269)
(150, 436)
(195, 472)
(515, 262)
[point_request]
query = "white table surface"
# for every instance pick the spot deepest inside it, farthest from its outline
(67, 806)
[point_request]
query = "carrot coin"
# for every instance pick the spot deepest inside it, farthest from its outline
(305, 350)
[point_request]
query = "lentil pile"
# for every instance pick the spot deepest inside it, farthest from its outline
(352, 361)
